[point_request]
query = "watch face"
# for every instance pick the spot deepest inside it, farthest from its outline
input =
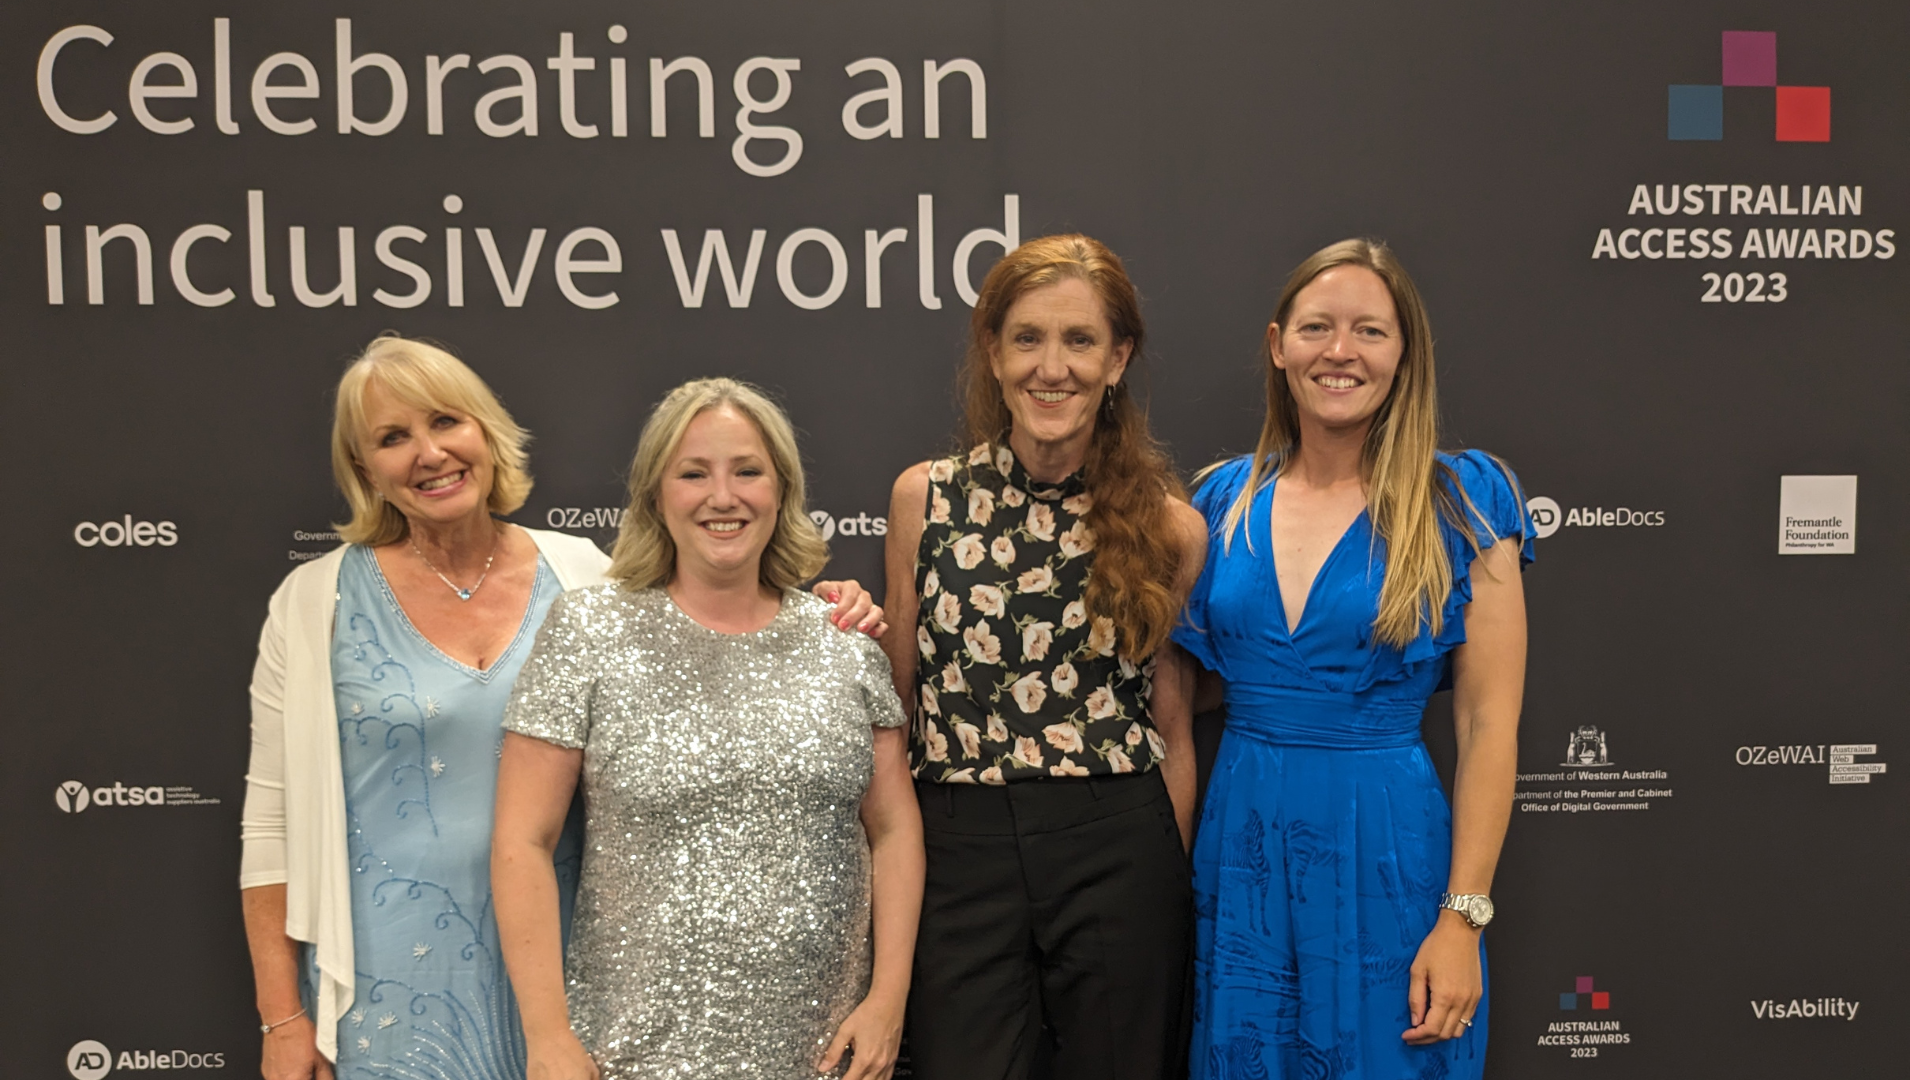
(1479, 910)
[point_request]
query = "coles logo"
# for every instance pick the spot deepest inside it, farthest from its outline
(859, 525)
(1548, 516)
(89, 1059)
(125, 533)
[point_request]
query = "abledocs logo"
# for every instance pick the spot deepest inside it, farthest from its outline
(89, 1059)
(1548, 517)
(1749, 59)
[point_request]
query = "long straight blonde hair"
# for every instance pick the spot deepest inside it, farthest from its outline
(1408, 489)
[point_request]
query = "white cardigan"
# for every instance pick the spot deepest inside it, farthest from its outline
(293, 827)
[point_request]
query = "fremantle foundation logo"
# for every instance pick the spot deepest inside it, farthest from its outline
(89, 1059)
(1586, 1037)
(73, 797)
(1590, 782)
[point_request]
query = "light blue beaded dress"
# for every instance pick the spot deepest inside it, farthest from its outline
(420, 734)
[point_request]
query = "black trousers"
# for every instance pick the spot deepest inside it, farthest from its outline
(1056, 931)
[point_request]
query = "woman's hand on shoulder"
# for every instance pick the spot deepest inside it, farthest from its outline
(874, 1033)
(291, 1053)
(560, 1059)
(856, 608)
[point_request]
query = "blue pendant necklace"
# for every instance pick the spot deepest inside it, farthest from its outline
(463, 594)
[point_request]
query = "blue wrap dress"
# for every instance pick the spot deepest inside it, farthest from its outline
(420, 736)
(1325, 839)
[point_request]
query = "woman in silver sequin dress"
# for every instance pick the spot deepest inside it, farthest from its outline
(750, 824)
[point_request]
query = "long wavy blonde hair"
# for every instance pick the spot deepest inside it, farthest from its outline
(1128, 474)
(645, 555)
(427, 377)
(1408, 489)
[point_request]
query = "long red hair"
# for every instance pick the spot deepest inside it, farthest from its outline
(1129, 476)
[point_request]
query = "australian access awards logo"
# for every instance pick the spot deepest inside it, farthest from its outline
(1589, 781)
(1748, 58)
(1581, 1028)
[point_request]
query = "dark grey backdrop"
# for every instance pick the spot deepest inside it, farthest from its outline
(1213, 145)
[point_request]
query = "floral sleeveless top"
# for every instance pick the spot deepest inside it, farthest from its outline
(1014, 679)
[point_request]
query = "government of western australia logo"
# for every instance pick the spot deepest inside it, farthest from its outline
(1586, 749)
(1748, 59)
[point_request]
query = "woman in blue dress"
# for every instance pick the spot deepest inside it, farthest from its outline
(377, 708)
(1352, 570)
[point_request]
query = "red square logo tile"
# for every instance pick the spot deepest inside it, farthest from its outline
(1601, 1000)
(1803, 114)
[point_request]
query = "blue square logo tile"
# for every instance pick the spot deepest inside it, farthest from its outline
(1695, 112)
(1568, 1002)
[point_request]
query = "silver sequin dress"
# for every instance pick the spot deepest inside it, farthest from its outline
(722, 922)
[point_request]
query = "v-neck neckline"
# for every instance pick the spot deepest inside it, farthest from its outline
(482, 675)
(1291, 629)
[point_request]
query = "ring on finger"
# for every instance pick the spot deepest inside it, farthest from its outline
(1465, 1021)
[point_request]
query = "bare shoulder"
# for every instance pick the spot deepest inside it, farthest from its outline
(1189, 525)
(911, 488)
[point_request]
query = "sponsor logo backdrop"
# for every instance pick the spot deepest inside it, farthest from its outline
(1661, 247)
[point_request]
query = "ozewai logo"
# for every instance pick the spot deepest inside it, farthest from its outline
(1748, 59)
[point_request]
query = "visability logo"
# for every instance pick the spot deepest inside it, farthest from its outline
(1749, 58)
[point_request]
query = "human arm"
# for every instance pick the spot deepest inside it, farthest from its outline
(893, 821)
(290, 1050)
(1171, 698)
(1488, 689)
(856, 608)
(535, 781)
(908, 512)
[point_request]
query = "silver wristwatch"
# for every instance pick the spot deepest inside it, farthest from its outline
(1476, 907)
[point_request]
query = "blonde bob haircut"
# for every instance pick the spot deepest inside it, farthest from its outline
(423, 376)
(645, 555)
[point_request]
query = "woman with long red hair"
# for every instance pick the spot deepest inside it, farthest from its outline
(1041, 567)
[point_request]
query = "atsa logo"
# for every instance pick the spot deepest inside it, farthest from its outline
(1548, 517)
(89, 1059)
(72, 797)
(860, 525)
(125, 533)
(1748, 59)
(1586, 749)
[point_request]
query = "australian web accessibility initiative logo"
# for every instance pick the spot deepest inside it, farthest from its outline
(89, 1059)
(1748, 58)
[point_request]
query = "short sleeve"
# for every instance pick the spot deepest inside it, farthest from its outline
(877, 682)
(551, 700)
(1214, 498)
(1492, 501)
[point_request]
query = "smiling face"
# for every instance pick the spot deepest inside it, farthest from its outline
(432, 465)
(719, 495)
(1340, 347)
(1055, 359)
